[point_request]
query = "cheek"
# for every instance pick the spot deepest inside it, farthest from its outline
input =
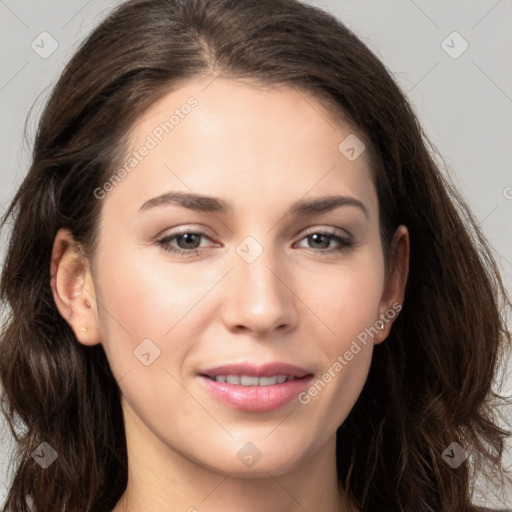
(142, 316)
(351, 311)
(350, 297)
(140, 299)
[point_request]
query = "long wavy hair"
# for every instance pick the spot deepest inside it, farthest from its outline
(431, 382)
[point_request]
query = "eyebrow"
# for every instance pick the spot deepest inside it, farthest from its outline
(216, 205)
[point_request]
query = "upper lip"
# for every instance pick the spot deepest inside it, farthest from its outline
(265, 370)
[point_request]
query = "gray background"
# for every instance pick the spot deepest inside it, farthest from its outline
(464, 101)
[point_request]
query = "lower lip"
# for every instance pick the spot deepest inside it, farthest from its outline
(256, 398)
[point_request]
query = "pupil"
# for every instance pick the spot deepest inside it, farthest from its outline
(315, 239)
(189, 238)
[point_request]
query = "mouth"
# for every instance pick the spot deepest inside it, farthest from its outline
(253, 388)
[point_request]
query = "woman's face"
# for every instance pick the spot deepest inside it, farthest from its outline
(276, 279)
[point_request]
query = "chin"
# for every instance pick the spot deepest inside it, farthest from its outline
(249, 461)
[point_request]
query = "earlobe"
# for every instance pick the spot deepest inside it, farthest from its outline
(73, 288)
(396, 280)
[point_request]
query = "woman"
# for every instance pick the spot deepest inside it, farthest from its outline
(254, 370)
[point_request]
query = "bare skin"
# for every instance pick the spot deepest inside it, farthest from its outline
(260, 150)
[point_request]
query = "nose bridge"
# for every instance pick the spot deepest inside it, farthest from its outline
(257, 270)
(259, 299)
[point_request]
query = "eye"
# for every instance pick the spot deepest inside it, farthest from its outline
(187, 242)
(321, 240)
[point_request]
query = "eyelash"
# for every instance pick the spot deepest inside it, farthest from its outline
(345, 243)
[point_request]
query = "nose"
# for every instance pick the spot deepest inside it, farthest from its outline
(259, 295)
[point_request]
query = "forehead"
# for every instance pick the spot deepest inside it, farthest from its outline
(230, 137)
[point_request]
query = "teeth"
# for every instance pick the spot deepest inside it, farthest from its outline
(250, 380)
(270, 381)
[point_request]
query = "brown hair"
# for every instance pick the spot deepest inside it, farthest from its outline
(430, 382)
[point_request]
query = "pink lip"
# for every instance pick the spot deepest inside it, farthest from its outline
(256, 398)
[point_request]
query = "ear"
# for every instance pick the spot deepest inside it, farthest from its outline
(73, 288)
(394, 287)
